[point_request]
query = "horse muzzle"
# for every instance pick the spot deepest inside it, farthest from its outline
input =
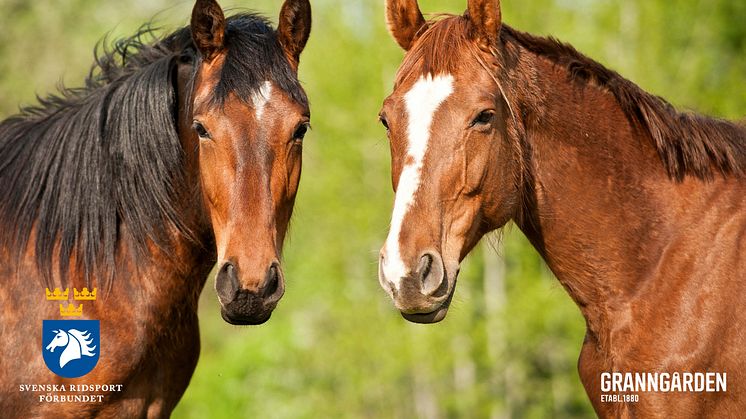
(242, 306)
(424, 295)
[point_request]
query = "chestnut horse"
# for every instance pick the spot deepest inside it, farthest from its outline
(174, 156)
(639, 210)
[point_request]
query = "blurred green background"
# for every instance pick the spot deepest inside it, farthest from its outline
(336, 347)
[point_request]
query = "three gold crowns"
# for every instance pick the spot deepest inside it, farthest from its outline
(71, 310)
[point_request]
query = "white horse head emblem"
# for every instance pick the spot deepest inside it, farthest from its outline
(76, 344)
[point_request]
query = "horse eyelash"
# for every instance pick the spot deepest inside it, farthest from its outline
(202, 132)
(382, 119)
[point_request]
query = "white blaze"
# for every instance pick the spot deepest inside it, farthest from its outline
(261, 97)
(422, 101)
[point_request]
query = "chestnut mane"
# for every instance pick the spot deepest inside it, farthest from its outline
(687, 143)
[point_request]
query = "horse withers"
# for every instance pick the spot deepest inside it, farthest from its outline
(177, 155)
(639, 210)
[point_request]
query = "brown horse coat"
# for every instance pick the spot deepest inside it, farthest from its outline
(639, 210)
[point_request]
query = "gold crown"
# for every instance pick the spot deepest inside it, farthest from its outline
(57, 294)
(84, 294)
(71, 310)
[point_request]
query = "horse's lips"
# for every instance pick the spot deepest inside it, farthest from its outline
(245, 320)
(434, 316)
(247, 309)
(427, 318)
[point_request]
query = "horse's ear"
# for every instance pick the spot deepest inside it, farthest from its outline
(294, 28)
(208, 28)
(486, 19)
(404, 20)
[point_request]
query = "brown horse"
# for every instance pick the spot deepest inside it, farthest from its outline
(639, 210)
(176, 155)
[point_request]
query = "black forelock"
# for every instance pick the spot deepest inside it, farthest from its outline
(254, 55)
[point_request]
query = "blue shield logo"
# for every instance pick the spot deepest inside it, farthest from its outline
(71, 347)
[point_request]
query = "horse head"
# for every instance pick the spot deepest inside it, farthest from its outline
(248, 116)
(453, 164)
(61, 339)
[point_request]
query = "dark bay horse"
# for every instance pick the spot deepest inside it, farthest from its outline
(176, 155)
(638, 209)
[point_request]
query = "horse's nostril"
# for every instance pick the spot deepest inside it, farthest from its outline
(272, 282)
(426, 262)
(431, 273)
(226, 283)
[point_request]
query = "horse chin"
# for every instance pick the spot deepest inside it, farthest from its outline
(427, 318)
(434, 316)
(246, 320)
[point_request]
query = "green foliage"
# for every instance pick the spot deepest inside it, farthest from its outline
(336, 347)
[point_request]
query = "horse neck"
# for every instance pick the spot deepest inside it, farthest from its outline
(72, 350)
(601, 209)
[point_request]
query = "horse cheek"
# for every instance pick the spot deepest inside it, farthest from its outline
(475, 159)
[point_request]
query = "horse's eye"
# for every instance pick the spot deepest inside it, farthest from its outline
(186, 58)
(201, 130)
(484, 118)
(384, 122)
(300, 132)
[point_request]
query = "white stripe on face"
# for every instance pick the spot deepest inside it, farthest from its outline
(422, 101)
(261, 97)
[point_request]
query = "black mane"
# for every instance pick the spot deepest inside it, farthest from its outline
(254, 56)
(83, 164)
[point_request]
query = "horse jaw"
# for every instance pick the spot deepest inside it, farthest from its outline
(52, 346)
